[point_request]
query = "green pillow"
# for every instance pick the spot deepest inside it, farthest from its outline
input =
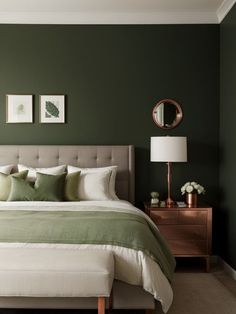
(71, 186)
(5, 183)
(46, 188)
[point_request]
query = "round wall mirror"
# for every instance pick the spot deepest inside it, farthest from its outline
(167, 114)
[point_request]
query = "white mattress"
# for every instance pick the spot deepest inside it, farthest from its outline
(131, 266)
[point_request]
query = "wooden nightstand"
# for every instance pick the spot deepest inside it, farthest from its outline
(188, 230)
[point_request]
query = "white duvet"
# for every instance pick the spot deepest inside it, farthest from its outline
(131, 266)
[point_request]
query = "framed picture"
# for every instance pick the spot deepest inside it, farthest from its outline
(52, 108)
(19, 109)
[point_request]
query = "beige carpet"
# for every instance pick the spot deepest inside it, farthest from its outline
(202, 293)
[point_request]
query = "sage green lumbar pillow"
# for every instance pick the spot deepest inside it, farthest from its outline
(5, 183)
(71, 186)
(46, 188)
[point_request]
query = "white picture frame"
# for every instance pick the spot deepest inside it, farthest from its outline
(52, 108)
(19, 108)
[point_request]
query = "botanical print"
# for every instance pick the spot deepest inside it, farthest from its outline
(52, 108)
(19, 108)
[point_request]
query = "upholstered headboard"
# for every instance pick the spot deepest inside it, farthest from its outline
(76, 155)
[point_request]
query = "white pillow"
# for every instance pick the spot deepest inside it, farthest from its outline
(6, 169)
(32, 171)
(94, 186)
(112, 181)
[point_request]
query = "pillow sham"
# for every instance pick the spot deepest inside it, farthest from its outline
(6, 169)
(112, 180)
(46, 188)
(5, 183)
(71, 186)
(94, 186)
(57, 170)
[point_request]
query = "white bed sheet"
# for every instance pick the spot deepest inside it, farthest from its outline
(131, 266)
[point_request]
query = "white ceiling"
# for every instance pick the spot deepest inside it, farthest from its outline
(114, 11)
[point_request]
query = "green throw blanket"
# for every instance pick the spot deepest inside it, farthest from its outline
(87, 227)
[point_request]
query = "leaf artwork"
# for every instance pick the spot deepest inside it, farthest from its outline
(51, 109)
(20, 109)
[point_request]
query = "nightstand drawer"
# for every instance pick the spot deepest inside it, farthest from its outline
(163, 217)
(195, 217)
(183, 232)
(185, 248)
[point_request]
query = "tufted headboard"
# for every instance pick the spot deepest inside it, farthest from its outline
(77, 155)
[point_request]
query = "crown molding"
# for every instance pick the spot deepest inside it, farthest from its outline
(224, 9)
(108, 18)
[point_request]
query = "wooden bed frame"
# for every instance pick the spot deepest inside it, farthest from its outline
(125, 296)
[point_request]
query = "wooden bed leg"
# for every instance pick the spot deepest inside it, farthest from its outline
(149, 312)
(101, 305)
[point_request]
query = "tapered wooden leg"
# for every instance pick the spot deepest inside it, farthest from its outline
(101, 305)
(149, 312)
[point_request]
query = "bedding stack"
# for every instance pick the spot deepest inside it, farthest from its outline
(72, 208)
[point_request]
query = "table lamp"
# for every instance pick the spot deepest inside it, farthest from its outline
(169, 149)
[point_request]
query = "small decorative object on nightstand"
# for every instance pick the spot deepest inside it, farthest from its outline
(188, 230)
(154, 198)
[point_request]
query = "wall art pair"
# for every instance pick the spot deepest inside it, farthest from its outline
(19, 109)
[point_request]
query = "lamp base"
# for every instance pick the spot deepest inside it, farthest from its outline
(169, 202)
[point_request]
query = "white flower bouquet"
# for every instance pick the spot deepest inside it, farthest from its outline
(192, 187)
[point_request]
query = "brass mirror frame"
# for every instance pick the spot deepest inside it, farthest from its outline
(179, 114)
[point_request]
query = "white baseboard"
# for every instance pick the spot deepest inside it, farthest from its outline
(227, 268)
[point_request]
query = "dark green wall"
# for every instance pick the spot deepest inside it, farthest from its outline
(113, 76)
(227, 227)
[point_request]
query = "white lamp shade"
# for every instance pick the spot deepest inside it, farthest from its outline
(169, 148)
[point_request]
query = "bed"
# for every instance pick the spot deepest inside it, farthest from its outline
(140, 281)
